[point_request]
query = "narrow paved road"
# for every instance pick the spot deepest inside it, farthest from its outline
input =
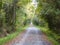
(33, 36)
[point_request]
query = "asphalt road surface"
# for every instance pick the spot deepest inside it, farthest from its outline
(33, 36)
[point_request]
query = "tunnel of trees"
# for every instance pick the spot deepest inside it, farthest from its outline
(14, 16)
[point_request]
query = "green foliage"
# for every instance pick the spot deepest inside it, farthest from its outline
(36, 21)
(12, 15)
(50, 12)
(51, 35)
(11, 36)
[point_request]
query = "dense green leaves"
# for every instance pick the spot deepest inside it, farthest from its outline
(12, 15)
(50, 12)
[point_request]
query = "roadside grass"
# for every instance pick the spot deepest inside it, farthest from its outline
(11, 36)
(51, 35)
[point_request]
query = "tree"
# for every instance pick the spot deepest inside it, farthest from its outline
(50, 12)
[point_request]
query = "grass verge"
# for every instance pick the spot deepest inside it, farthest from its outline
(11, 36)
(51, 36)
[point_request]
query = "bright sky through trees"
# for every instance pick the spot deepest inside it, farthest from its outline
(34, 2)
(30, 9)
